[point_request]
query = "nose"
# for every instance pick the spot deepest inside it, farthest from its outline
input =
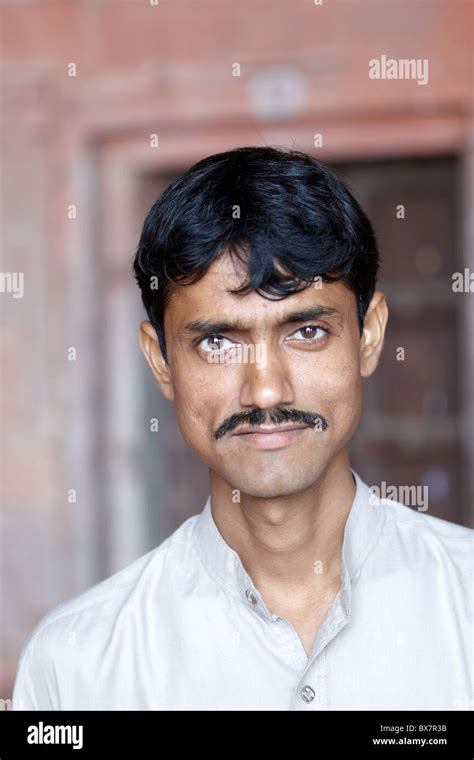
(267, 385)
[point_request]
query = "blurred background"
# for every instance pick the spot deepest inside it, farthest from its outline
(103, 103)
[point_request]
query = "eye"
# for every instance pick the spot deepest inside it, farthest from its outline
(218, 339)
(316, 333)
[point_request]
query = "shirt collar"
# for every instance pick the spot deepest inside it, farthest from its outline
(362, 529)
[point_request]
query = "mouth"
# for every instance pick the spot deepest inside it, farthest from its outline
(270, 437)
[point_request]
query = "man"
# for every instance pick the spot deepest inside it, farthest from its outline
(294, 588)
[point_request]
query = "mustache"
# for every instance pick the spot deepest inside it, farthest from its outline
(259, 417)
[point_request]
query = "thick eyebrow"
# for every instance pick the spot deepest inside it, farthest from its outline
(208, 327)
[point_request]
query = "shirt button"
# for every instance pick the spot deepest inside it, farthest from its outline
(251, 596)
(307, 694)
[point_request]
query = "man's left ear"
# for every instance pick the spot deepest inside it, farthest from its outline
(372, 337)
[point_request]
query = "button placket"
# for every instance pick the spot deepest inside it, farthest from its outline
(257, 602)
(291, 647)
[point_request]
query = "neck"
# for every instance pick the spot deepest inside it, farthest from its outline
(290, 545)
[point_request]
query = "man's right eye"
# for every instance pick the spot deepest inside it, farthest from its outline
(217, 339)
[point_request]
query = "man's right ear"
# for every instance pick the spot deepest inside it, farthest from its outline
(150, 346)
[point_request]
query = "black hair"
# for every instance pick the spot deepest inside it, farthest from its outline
(283, 213)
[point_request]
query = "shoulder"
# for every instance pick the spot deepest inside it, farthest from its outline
(88, 620)
(106, 597)
(417, 532)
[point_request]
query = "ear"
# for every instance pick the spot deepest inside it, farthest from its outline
(372, 338)
(150, 346)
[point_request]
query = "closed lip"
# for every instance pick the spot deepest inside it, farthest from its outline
(269, 430)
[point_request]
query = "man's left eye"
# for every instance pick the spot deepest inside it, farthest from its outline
(315, 332)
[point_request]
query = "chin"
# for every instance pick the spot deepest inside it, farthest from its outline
(271, 488)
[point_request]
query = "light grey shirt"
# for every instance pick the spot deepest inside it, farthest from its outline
(184, 627)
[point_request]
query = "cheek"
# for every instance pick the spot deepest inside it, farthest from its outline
(335, 389)
(343, 381)
(345, 395)
(197, 405)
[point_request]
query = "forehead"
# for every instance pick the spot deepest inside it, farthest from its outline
(211, 298)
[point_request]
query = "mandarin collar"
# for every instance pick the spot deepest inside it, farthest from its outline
(362, 528)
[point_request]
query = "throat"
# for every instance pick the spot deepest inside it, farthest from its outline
(307, 619)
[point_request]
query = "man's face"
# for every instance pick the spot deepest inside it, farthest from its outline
(269, 362)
